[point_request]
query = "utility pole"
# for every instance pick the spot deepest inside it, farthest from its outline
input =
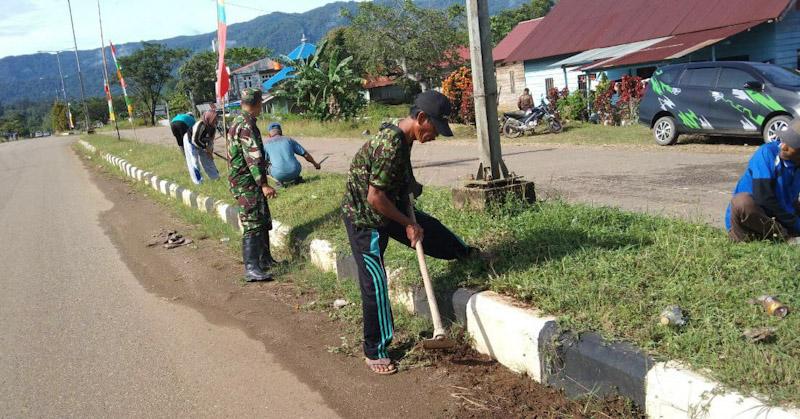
(105, 74)
(64, 92)
(89, 129)
(493, 181)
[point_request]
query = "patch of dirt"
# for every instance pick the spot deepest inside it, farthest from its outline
(206, 276)
(485, 389)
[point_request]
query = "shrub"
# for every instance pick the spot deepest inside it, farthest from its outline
(458, 88)
(632, 90)
(606, 113)
(573, 106)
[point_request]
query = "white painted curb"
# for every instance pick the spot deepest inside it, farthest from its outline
(674, 391)
(507, 333)
(279, 236)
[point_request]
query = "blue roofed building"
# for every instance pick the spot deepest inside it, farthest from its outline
(302, 52)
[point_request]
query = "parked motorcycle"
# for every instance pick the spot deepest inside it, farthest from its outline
(519, 123)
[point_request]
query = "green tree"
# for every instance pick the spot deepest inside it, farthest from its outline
(401, 38)
(198, 75)
(325, 89)
(147, 70)
(58, 117)
(503, 22)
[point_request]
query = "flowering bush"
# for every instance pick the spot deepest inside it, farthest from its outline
(458, 88)
(631, 92)
(606, 112)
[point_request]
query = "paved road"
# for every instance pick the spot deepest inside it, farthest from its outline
(688, 181)
(80, 337)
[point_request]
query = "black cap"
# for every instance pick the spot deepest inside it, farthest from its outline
(438, 109)
(790, 134)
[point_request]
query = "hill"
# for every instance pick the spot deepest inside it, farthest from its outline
(35, 76)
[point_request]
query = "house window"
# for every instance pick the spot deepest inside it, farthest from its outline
(548, 84)
(645, 72)
(511, 82)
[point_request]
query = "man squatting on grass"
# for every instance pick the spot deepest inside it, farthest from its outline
(280, 150)
(248, 184)
(765, 202)
(199, 149)
(375, 206)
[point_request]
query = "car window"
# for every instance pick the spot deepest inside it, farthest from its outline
(731, 78)
(669, 75)
(699, 77)
(778, 75)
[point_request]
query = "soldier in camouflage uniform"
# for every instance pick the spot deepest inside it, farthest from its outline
(248, 184)
(375, 207)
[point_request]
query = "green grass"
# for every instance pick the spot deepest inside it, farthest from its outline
(597, 269)
(374, 114)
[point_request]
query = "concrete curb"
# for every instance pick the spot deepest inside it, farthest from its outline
(279, 237)
(530, 342)
(523, 339)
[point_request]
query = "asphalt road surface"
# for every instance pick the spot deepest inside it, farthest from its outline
(80, 337)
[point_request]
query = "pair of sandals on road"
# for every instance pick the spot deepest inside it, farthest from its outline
(381, 366)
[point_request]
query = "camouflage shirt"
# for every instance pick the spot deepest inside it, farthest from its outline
(248, 166)
(383, 162)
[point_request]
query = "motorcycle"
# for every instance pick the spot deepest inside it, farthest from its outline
(516, 124)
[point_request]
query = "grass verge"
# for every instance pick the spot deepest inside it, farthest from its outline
(598, 269)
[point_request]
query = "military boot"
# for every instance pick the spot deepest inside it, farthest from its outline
(266, 261)
(251, 253)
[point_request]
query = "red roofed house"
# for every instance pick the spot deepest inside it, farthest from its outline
(580, 38)
(511, 74)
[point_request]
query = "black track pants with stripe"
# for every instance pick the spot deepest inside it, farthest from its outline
(368, 246)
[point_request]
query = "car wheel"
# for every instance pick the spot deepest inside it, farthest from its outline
(774, 126)
(512, 128)
(664, 131)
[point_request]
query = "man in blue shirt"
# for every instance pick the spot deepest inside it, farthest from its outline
(765, 201)
(284, 167)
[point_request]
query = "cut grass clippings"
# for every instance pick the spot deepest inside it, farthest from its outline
(598, 269)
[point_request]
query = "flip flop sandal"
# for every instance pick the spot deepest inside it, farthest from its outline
(372, 363)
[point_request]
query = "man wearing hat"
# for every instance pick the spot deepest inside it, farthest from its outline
(280, 150)
(375, 208)
(765, 201)
(248, 184)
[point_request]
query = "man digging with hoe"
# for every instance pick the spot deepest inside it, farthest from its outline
(379, 181)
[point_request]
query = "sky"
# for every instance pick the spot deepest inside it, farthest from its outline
(28, 26)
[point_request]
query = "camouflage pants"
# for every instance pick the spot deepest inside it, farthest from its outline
(253, 211)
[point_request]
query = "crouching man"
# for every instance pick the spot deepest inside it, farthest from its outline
(765, 201)
(375, 208)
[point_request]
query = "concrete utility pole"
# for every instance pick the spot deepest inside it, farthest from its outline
(80, 75)
(63, 87)
(493, 181)
(485, 92)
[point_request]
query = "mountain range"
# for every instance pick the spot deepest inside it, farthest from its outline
(35, 76)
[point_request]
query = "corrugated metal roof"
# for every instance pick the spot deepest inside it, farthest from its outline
(280, 76)
(513, 40)
(594, 55)
(579, 25)
(673, 47)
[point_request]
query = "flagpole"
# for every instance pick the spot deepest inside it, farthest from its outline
(109, 98)
(124, 87)
(221, 72)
